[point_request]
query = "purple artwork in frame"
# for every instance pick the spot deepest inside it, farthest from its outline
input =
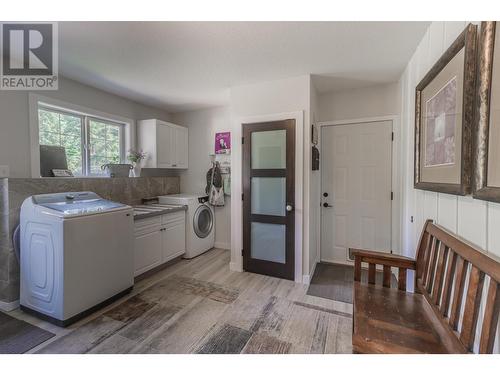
(440, 126)
(223, 143)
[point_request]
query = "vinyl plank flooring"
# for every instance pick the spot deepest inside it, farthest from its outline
(225, 340)
(129, 310)
(244, 311)
(273, 317)
(85, 338)
(261, 343)
(184, 333)
(150, 322)
(339, 335)
(116, 344)
(200, 306)
(300, 328)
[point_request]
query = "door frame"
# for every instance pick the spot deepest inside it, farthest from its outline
(396, 183)
(236, 263)
(286, 271)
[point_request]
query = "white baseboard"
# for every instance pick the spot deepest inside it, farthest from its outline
(235, 267)
(306, 279)
(222, 245)
(9, 306)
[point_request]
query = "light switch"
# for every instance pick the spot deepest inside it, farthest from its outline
(4, 171)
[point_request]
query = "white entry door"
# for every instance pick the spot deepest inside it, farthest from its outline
(356, 184)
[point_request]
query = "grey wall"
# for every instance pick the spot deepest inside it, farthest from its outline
(13, 191)
(372, 101)
(14, 117)
(203, 124)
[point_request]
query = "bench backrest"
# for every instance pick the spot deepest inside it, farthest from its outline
(451, 274)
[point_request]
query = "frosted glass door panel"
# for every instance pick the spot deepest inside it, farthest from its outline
(268, 196)
(268, 242)
(269, 149)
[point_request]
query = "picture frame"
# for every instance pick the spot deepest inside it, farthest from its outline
(486, 184)
(444, 119)
(222, 143)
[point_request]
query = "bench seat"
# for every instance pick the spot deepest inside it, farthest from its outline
(443, 315)
(392, 321)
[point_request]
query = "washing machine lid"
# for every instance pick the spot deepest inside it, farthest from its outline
(76, 203)
(181, 198)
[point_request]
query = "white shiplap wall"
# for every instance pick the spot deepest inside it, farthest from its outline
(477, 221)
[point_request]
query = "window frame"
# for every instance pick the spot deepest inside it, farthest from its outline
(82, 130)
(86, 137)
(127, 129)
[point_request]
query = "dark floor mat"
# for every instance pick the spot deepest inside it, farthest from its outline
(17, 336)
(335, 281)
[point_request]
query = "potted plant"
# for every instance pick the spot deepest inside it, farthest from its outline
(136, 157)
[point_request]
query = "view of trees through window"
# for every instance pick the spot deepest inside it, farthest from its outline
(58, 129)
(104, 145)
(89, 142)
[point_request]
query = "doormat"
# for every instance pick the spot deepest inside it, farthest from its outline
(17, 336)
(335, 281)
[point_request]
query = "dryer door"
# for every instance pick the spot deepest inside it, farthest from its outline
(203, 221)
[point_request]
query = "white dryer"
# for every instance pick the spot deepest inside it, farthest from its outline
(76, 254)
(200, 221)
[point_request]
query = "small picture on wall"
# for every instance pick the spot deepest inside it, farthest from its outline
(223, 143)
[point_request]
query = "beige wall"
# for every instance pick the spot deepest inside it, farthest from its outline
(372, 101)
(14, 117)
(203, 124)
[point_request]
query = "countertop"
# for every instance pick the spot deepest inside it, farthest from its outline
(144, 211)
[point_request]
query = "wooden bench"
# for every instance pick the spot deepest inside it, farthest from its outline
(443, 315)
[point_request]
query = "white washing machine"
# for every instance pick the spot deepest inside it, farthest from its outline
(76, 254)
(200, 221)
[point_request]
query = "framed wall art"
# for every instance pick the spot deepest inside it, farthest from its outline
(223, 143)
(486, 184)
(444, 116)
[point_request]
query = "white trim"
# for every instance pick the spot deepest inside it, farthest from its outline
(35, 99)
(397, 175)
(236, 187)
(9, 306)
(306, 279)
(235, 266)
(223, 245)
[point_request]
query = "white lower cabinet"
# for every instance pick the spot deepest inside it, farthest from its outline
(159, 239)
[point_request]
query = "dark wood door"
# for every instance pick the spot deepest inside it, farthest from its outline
(269, 198)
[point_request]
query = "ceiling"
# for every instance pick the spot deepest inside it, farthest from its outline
(182, 66)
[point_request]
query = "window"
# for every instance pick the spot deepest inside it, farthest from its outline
(89, 142)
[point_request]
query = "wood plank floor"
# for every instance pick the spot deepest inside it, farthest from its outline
(200, 306)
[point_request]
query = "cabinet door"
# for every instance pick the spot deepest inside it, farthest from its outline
(148, 251)
(165, 140)
(174, 240)
(181, 151)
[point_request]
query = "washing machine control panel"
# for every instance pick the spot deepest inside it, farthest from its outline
(203, 199)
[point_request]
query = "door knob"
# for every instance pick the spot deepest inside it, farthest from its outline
(326, 205)
(289, 207)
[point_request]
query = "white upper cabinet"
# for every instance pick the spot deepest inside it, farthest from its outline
(166, 144)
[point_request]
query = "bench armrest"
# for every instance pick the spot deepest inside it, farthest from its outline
(384, 259)
(374, 258)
